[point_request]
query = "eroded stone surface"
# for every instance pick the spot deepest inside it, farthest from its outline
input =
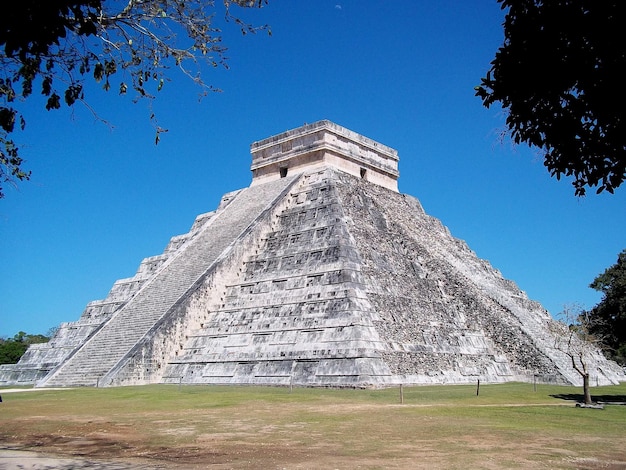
(320, 276)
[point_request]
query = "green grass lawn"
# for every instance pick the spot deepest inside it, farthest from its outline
(505, 426)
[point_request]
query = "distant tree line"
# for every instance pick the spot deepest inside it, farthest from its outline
(12, 349)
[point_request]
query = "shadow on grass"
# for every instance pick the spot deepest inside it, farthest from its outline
(606, 399)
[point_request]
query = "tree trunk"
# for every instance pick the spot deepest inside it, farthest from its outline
(586, 389)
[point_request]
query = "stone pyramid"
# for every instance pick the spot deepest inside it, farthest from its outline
(320, 274)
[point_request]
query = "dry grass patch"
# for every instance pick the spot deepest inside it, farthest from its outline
(506, 426)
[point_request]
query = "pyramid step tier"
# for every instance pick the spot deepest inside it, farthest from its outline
(127, 327)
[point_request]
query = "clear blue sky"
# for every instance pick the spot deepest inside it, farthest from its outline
(400, 72)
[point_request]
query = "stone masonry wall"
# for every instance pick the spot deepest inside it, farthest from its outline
(297, 313)
(439, 325)
(149, 361)
(447, 315)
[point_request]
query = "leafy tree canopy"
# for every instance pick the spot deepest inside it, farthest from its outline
(52, 46)
(560, 77)
(11, 350)
(609, 316)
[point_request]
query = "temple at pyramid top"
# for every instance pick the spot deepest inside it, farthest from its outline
(324, 143)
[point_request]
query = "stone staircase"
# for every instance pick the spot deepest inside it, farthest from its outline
(127, 327)
(298, 313)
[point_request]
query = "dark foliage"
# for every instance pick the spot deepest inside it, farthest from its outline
(11, 350)
(608, 318)
(560, 76)
(53, 46)
(28, 30)
(48, 21)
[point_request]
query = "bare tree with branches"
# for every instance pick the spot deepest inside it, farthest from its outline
(573, 337)
(54, 46)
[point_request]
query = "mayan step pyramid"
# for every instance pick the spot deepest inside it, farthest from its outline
(320, 273)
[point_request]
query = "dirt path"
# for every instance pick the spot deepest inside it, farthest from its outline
(26, 460)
